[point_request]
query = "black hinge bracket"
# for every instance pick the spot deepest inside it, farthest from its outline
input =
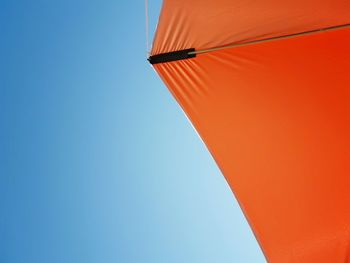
(172, 56)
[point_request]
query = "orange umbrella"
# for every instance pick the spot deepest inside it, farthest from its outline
(267, 86)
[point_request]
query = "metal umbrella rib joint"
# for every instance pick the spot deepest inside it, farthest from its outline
(172, 56)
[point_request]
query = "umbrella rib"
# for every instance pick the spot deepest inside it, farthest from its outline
(241, 44)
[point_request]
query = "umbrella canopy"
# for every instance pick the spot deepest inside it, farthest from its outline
(267, 86)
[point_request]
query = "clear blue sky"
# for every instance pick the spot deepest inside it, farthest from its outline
(97, 161)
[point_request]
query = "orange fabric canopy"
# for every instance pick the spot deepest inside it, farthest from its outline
(274, 115)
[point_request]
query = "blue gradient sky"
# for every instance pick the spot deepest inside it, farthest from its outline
(97, 161)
